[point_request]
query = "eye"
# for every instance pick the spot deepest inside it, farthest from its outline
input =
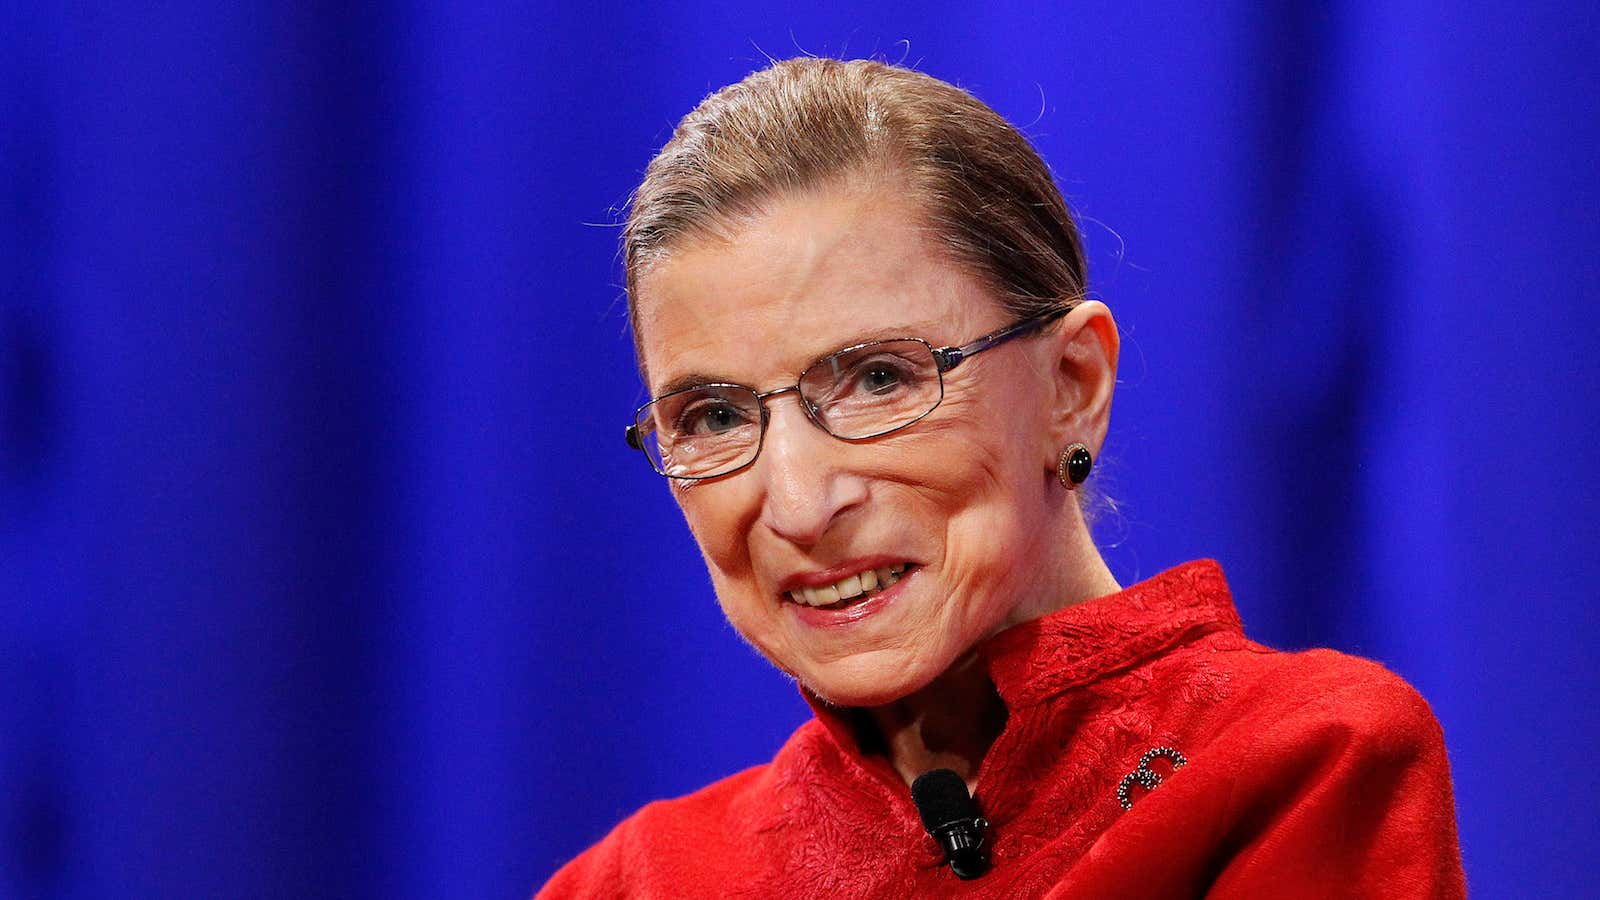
(879, 375)
(878, 378)
(710, 416)
(872, 388)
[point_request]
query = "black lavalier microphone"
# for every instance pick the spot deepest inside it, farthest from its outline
(951, 818)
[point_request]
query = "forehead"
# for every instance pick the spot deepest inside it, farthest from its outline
(805, 275)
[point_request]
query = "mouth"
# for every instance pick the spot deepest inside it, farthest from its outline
(851, 589)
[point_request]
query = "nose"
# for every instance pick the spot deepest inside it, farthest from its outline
(806, 487)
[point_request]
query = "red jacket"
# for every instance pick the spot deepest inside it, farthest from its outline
(1308, 774)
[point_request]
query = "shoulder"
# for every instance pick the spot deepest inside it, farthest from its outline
(662, 845)
(1327, 768)
(1327, 684)
(1323, 704)
(631, 856)
(636, 851)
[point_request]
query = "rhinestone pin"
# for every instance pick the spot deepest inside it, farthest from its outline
(1143, 775)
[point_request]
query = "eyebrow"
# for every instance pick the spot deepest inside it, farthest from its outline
(692, 380)
(893, 332)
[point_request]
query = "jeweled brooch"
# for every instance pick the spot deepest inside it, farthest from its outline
(1143, 774)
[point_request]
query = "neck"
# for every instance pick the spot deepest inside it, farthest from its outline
(952, 723)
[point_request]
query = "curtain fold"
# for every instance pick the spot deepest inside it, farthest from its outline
(324, 570)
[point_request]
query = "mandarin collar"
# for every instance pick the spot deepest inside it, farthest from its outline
(1036, 660)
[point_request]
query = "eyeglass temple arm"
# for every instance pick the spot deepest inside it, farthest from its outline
(950, 357)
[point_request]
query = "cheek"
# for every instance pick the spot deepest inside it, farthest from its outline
(982, 503)
(974, 452)
(719, 515)
(986, 492)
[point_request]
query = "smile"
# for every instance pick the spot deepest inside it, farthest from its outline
(849, 589)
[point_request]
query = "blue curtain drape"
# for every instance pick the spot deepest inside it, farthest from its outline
(324, 570)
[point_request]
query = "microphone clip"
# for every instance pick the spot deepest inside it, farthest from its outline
(951, 818)
(965, 846)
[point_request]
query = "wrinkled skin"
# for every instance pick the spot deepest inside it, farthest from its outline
(968, 494)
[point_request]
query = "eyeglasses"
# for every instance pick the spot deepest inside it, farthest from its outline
(855, 394)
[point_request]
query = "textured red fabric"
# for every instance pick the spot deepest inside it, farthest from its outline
(1310, 774)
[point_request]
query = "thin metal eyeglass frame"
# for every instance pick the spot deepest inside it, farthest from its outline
(944, 358)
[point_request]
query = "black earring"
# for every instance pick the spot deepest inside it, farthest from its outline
(1074, 465)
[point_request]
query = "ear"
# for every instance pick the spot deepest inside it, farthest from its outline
(1084, 369)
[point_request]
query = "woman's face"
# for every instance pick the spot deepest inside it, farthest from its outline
(962, 499)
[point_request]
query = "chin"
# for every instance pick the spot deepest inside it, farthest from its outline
(866, 682)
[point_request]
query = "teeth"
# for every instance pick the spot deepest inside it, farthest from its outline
(849, 588)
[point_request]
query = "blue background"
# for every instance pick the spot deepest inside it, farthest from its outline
(324, 570)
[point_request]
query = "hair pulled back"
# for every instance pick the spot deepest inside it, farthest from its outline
(988, 198)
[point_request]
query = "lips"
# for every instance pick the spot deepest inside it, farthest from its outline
(849, 589)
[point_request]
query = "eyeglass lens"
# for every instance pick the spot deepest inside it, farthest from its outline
(857, 393)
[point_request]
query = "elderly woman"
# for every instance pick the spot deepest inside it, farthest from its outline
(878, 388)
